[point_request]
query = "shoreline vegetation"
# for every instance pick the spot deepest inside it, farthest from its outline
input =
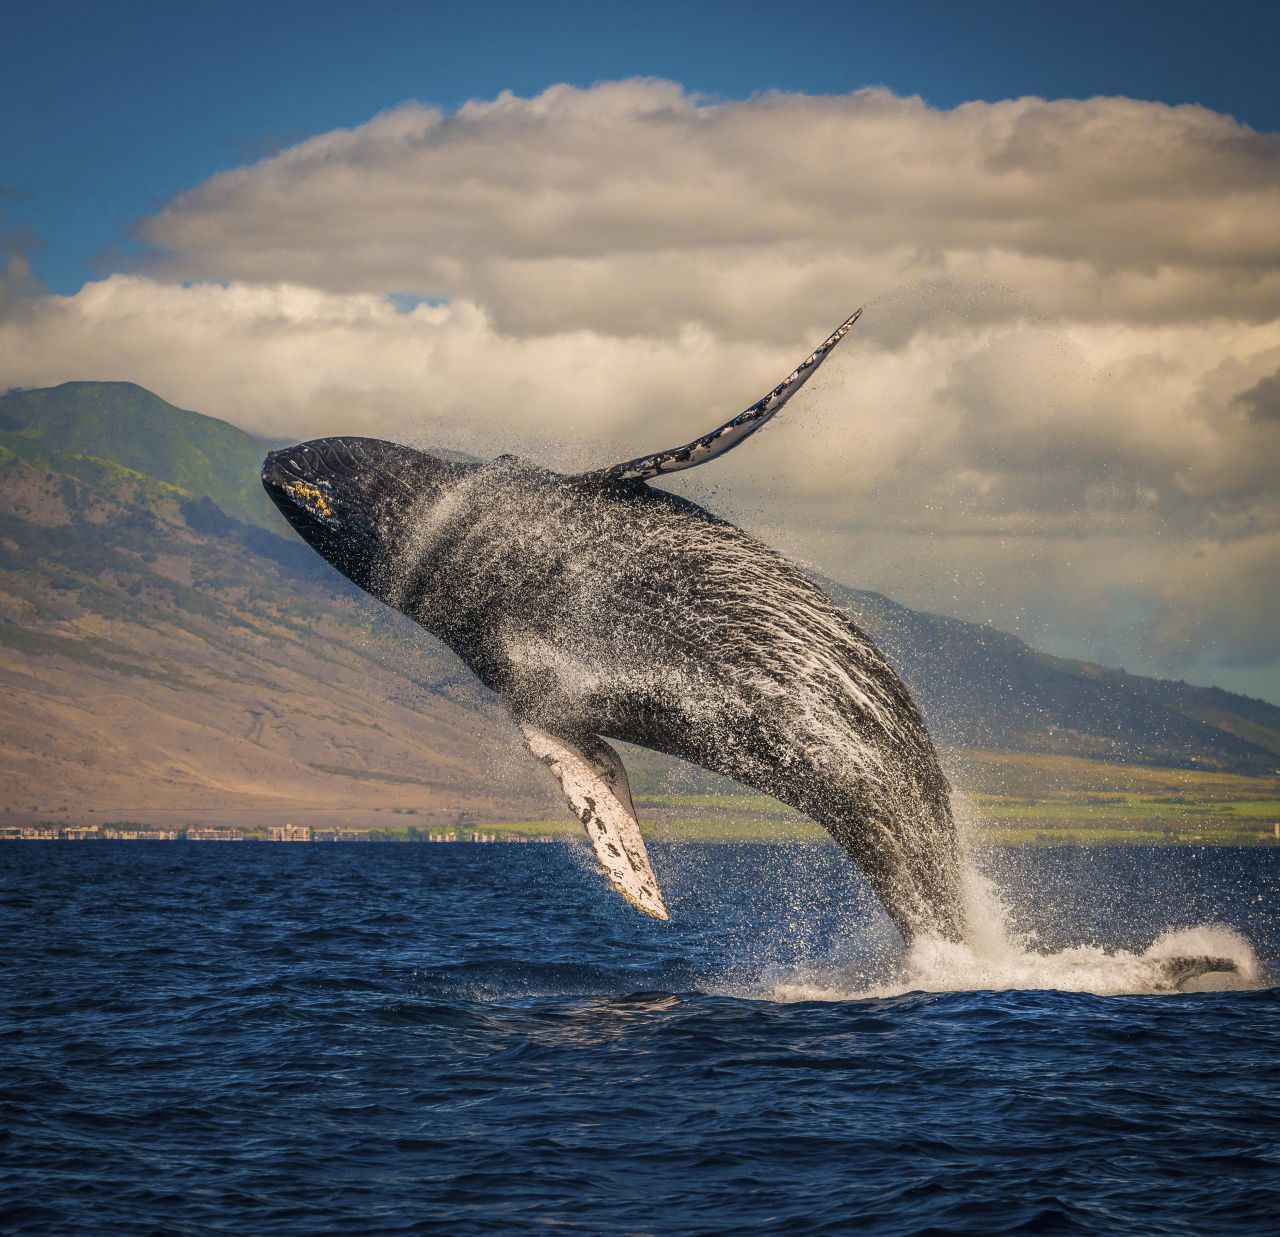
(1004, 798)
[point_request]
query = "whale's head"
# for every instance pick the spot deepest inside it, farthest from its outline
(350, 499)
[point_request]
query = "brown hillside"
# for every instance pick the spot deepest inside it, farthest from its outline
(213, 682)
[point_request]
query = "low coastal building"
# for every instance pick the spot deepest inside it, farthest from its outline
(215, 835)
(342, 835)
(80, 833)
(288, 833)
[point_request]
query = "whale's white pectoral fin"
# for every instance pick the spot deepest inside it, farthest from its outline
(731, 433)
(595, 783)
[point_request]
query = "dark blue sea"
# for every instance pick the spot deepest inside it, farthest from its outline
(207, 1038)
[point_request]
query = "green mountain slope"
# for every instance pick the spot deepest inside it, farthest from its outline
(90, 426)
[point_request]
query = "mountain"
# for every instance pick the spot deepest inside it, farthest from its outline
(163, 653)
(980, 687)
(97, 426)
(170, 650)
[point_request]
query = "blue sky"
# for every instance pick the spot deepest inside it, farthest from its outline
(113, 108)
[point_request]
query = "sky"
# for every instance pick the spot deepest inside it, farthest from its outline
(583, 232)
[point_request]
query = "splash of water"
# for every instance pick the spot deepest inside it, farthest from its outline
(996, 956)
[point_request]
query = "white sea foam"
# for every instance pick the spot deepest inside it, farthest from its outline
(995, 957)
(944, 966)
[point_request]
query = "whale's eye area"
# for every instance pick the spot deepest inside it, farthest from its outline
(310, 498)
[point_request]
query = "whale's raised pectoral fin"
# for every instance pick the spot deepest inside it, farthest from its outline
(731, 433)
(595, 783)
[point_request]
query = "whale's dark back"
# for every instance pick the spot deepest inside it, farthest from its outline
(628, 612)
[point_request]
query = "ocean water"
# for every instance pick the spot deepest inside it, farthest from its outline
(201, 1038)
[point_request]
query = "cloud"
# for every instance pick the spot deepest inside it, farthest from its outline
(1058, 414)
(1262, 400)
(634, 205)
(17, 285)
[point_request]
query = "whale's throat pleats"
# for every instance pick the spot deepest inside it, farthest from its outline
(595, 783)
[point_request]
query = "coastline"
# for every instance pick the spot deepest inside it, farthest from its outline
(1000, 797)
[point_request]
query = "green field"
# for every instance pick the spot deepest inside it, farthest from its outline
(1005, 797)
(1015, 798)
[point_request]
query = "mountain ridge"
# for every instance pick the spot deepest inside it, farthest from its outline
(127, 425)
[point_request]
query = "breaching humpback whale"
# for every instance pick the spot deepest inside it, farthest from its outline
(599, 607)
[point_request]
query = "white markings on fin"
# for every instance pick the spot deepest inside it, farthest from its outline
(595, 783)
(731, 433)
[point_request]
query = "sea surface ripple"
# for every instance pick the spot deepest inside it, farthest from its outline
(202, 1038)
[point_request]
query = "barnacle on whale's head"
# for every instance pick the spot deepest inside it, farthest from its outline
(351, 499)
(312, 497)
